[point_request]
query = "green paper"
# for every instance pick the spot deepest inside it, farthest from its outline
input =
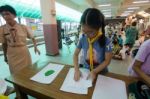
(49, 72)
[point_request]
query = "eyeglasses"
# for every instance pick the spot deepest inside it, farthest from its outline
(90, 34)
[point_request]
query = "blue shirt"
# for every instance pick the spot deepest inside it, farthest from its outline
(98, 51)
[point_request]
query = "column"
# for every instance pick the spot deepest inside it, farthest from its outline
(49, 26)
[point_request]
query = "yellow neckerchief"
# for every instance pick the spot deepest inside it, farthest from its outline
(91, 41)
(3, 97)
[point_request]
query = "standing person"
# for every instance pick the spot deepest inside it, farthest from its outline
(120, 40)
(97, 49)
(63, 33)
(107, 30)
(131, 35)
(128, 22)
(13, 38)
(140, 66)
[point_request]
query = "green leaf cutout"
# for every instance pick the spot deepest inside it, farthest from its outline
(49, 72)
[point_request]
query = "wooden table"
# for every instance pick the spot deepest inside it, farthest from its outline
(51, 91)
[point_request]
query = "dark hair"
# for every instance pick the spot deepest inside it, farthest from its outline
(115, 35)
(115, 41)
(119, 35)
(95, 19)
(121, 46)
(8, 8)
(134, 23)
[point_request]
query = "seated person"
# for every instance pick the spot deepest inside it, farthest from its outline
(121, 55)
(140, 66)
(116, 47)
(114, 37)
(136, 48)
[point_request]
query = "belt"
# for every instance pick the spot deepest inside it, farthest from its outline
(16, 45)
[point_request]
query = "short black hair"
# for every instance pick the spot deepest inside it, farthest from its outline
(8, 8)
(134, 23)
(95, 19)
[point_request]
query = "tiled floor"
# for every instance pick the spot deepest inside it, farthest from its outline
(65, 57)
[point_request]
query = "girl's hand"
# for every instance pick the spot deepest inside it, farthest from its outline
(77, 75)
(92, 75)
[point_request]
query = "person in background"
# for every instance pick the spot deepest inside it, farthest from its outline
(121, 55)
(13, 38)
(63, 33)
(140, 67)
(128, 22)
(107, 30)
(147, 32)
(141, 27)
(114, 37)
(97, 49)
(120, 40)
(116, 48)
(131, 34)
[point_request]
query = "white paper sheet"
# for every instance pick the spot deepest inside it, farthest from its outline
(109, 88)
(40, 76)
(79, 87)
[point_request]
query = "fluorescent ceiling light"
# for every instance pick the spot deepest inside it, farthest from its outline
(129, 11)
(125, 14)
(106, 10)
(142, 1)
(104, 5)
(132, 8)
(107, 15)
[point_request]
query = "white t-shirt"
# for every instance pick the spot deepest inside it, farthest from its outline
(122, 52)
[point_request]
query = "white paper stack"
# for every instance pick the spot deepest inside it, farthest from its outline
(78, 87)
(40, 76)
(109, 88)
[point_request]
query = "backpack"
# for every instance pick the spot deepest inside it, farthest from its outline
(139, 90)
